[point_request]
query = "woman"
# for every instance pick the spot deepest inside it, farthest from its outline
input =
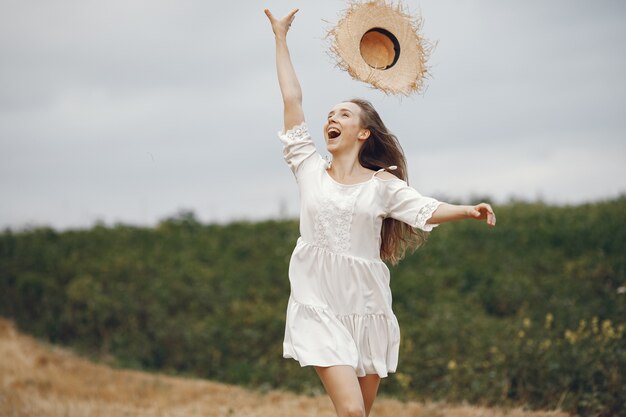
(354, 215)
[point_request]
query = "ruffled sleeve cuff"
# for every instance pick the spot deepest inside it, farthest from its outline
(297, 133)
(425, 213)
(297, 146)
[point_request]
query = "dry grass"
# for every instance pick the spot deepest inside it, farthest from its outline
(38, 380)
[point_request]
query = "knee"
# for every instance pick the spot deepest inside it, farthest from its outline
(353, 410)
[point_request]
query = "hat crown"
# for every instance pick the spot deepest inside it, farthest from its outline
(380, 48)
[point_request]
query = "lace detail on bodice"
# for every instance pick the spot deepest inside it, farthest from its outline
(334, 218)
(298, 132)
(425, 213)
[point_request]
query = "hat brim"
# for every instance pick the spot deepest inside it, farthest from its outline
(406, 75)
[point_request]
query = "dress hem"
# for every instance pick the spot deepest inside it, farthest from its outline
(304, 364)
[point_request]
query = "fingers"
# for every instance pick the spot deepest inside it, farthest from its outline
(491, 219)
(292, 15)
(486, 206)
(489, 215)
(280, 27)
(289, 18)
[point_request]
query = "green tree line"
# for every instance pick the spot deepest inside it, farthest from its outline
(531, 312)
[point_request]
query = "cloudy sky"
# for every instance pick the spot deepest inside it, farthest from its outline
(129, 111)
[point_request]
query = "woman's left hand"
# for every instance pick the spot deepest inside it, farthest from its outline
(483, 211)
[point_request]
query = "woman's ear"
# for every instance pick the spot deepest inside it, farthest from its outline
(364, 134)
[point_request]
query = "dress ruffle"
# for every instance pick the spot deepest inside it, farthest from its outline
(314, 336)
(377, 338)
(368, 343)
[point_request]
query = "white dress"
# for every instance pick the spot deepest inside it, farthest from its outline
(339, 310)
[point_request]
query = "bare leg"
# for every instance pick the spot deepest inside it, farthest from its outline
(343, 387)
(369, 388)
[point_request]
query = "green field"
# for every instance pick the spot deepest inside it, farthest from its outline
(531, 312)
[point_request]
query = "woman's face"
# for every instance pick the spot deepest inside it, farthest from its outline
(342, 130)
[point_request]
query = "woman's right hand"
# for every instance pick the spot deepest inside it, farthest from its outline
(281, 26)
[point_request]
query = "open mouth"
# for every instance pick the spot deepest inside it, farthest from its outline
(333, 133)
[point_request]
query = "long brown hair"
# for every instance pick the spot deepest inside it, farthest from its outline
(382, 150)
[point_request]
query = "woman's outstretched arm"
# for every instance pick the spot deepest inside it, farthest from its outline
(287, 79)
(449, 212)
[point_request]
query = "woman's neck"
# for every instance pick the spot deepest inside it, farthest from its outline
(345, 167)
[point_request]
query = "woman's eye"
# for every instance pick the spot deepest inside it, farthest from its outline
(345, 114)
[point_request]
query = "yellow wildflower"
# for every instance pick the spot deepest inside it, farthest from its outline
(594, 325)
(526, 322)
(549, 319)
(607, 329)
(452, 365)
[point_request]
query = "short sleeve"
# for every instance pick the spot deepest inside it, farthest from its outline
(297, 146)
(407, 205)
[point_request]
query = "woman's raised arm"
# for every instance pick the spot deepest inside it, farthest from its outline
(287, 79)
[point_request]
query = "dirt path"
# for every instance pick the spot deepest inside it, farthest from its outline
(37, 380)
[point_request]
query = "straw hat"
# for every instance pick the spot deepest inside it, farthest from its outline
(379, 43)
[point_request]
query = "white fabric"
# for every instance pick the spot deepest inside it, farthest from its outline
(339, 310)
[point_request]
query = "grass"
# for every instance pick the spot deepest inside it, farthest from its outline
(37, 379)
